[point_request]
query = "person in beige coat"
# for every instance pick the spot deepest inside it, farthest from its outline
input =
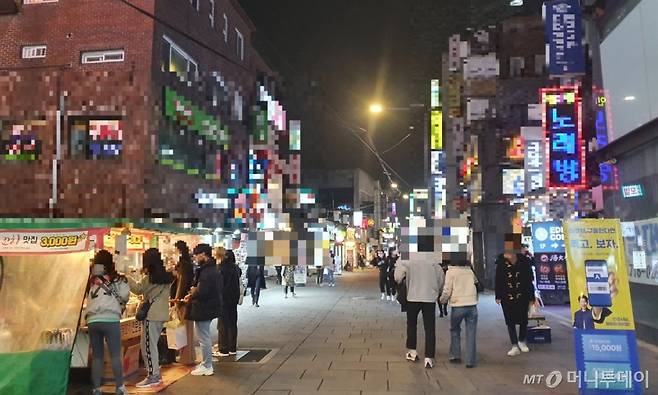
(154, 286)
(461, 292)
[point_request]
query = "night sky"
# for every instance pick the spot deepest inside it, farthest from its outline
(336, 57)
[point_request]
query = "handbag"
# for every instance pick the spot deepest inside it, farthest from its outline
(478, 285)
(401, 295)
(145, 306)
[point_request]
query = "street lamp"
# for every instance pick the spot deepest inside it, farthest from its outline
(394, 186)
(405, 196)
(376, 108)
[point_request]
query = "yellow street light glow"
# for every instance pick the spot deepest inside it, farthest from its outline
(405, 196)
(376, 108)
(394, 186)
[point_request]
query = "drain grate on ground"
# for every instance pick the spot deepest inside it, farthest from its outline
(255, 356)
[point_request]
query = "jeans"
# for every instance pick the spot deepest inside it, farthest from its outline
(203, 333)
(149, 344)
(255, 290)
(457, 315)
(319, 274)
(330, 277)
(523, 329)
(429, 324)
(228, 329)
(98, 333)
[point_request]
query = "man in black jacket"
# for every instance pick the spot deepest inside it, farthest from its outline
(229, 291)
(204, 304)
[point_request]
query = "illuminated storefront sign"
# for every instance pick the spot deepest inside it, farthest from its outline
(437, 162)
(631, 191)
(609, 177)
(436, 131)
(421, 194)
(434, 94)
(562, 123)
(513, 182)
(565, 52)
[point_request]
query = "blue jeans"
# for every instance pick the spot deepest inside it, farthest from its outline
(330, 277)
(457, 315)
(203, 333)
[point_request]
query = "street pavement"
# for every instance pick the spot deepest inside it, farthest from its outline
(345, 340)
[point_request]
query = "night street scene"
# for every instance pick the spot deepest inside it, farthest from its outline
(342, 197)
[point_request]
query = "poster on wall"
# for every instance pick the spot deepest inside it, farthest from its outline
(301, 274)
(28, 242)
(604, 329)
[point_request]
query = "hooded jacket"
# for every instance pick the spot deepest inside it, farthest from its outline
(104, 306)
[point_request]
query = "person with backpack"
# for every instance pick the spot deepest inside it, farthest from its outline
(229, 290)
(106, 299)
(155, 286)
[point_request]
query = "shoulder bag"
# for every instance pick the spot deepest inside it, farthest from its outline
(145, 306)
(478, 284)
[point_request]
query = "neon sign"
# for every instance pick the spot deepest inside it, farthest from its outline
(563, 127)
(436, 130)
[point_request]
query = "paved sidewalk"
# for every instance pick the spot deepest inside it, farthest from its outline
(344, 340)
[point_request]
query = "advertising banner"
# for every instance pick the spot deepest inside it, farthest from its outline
(436, 130)
(564, 36)
(641, 246)
(548, 248)
(27, 242)
(605, 345)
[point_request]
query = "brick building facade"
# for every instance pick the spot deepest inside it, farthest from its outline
(149, 100)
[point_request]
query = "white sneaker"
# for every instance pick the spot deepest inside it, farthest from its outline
(383, 296)
(429, 363)
(294, 295)
(514, 351)
(412, 356)
(523, 347)
(202, 371)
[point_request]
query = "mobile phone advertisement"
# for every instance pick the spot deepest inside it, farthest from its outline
(600, 298)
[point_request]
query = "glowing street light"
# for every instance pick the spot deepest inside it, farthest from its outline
(376, 108)
(394, 186)
(405, 196)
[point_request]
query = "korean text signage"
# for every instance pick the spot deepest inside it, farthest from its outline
(534, 161)
(23, 242)
(562, 123)
(632, 191)
(436, 130)
(548, 247)
(604, 330)
(565, 52)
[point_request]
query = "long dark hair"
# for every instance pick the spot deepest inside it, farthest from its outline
(104, 257)
(229, 258)
(184, 265)
(154, 267)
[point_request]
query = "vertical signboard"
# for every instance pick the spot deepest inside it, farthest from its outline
(564, 35)
(535, 148)
(435, 98)
(604, 330)
(436, 130)
(562, 123)
(548, 248)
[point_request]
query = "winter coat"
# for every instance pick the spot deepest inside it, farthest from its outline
(158, 294)
(205, 300)
(514, 288)
(459, 287)
(103, 305)
(185, 271)
(229, 284)
(381, 264)
(253, 273)
(390, 268)
(424, 280)
(289, 276)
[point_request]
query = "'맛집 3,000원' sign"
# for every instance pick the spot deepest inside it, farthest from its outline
(562, 123)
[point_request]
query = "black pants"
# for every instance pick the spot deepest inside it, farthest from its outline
(523, 329)
(429, 325)
(319, 273)
(278, 274)
(255, 291)
(443, 309)
(292, 289)
(384, 285)
(228, 329)
(392, 285)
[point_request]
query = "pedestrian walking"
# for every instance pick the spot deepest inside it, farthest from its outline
(154, 286)
(330, 271)
(184, 272)
(443, 307)
(107, 296)
(424, 281)
(461, 292)
(319, 272)
(391, 261)
(515, 293)
(289, 280)
(229, 287)
(279, 279)
(204, 305)
(379, 261)
(256, 282)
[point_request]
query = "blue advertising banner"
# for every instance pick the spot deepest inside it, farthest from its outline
(547, 237)
(564, 35)
(607, 362)
(550, 260)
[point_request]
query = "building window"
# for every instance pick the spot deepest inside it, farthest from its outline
(96, 138)
(34, 51)
(115, 55)
(177, 61)
(211, 15)
(225, 29)
(516, 65)
(39, 1)
(195, 4)
(239, 44)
